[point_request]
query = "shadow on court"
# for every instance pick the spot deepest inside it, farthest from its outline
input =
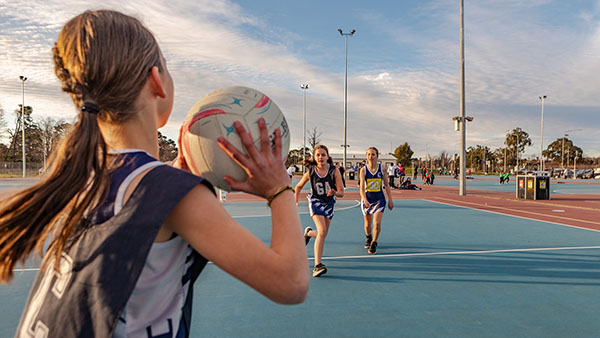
(440, 271)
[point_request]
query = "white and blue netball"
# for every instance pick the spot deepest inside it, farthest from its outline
(213, 117)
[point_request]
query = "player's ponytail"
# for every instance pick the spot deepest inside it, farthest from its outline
(102, 59)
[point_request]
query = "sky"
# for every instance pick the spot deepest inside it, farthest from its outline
(403, 65)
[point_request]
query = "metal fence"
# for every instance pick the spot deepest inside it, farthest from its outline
(16, 168)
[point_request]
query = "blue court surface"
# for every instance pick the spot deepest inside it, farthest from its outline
(440, 271)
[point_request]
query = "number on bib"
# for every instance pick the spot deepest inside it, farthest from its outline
(373, 184)
(33, 327)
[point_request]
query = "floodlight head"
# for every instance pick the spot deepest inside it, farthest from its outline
(352, 32)
(304, 86)
(340, 30)
(23, 78)
(469, 118)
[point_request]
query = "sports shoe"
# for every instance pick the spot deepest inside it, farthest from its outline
(319, 269)
(373, 248)
(306, 236)
(368, 242)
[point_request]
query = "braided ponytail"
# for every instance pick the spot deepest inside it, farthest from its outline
(103, 85)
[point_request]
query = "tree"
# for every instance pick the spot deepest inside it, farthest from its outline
(403, 154)
(313, 137)
(3, 124)
(443, 160)
(554, 152)
(51, 131)
(32, 140)
(516, 141)
(477, 156)
(295, 156)
(167, 148)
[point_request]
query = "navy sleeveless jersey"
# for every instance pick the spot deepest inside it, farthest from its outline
(321, 185)
(99, 272)
(374, 184)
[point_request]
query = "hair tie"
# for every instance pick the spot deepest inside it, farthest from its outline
(90, 107)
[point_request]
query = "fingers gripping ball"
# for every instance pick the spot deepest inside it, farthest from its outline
(213, 116)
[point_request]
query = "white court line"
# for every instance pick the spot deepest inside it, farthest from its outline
(523, 217)
(443, 253)
(300, 213)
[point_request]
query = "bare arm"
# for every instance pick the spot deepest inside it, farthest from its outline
(363, 186)
(280, 272)
(388, 191)
(338, 183)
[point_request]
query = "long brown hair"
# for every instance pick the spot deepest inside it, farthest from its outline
(313, 161)
(101, 57)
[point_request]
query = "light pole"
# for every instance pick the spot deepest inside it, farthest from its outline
(462, 191)
(345, 35)
(518, 150)
(562, 153)
(304, 87)
(23, 79)
(542, 98)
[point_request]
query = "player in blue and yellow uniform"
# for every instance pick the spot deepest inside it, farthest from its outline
(326, 184)
(373, 181)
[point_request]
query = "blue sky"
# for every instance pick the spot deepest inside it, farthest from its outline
(403, 67)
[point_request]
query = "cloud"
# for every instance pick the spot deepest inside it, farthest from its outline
(515, 51)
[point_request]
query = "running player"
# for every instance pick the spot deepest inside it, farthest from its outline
(372, 184)
(326, 185)
(128, 234)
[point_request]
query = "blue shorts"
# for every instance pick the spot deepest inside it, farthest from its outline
(319, 207)
(376, 206)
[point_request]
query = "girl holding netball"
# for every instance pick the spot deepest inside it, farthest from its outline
(326, 184)
(127, 234)
(373, 182)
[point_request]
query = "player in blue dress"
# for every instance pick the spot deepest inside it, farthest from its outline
(326, 184)
(373, 181)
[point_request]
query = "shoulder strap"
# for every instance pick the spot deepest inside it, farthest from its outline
(104, 264)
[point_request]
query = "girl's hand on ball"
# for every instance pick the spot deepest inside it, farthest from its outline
(265, 168)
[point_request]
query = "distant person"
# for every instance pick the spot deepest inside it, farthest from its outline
(408, 185)
(501, 176)
(431, 177)
(326, 184)
(129, 234)
(391, 171)
(342, 173)
(400, 173)
(291, 170)
(360, 166)
(373, 184)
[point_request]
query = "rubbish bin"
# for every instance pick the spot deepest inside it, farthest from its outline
(351, 175)
(533, 187)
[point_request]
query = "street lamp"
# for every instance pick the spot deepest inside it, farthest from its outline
(460, 124)
(345, 35)
(542, 98)
(23, 79)
(304, 87)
